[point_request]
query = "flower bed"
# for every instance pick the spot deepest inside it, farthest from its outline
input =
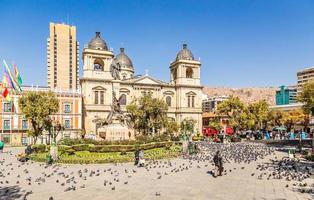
(87, 157)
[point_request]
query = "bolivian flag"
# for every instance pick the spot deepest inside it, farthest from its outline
(5, 92)
(13, 82)
(17, 76)
(6, 95)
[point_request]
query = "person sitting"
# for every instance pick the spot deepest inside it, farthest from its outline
(141, 162)
(28, 150)
(303, 135)
(292, 136)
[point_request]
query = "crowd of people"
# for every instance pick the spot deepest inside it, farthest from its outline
(275, 135)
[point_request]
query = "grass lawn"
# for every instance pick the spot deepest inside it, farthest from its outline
(112, 157)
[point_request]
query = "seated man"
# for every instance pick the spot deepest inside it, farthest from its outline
(141, 159)
(28, 150)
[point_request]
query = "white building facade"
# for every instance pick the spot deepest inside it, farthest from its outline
(183, 94)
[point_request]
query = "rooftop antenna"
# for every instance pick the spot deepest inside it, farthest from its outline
(68, 19)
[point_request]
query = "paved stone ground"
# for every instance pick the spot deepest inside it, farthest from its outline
(194, 183)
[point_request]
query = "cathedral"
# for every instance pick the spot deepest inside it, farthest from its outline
(106, 74)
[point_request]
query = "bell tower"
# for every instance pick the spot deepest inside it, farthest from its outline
(185, 70)
(185, 76)
(97, 59)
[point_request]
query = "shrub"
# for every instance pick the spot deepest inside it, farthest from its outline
(87, 157)
(39, 148)
(65, 149)
(197, 138)
(139, 140)
(83, 147)
(174, 138)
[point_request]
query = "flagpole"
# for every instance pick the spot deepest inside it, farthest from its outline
(11, 121)
(2, 119)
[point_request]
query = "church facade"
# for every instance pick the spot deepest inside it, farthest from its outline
(105, 73)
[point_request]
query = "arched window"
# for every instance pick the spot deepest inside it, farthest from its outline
(98, 65)
(122, 99)
(189, 72)
(123, 76)
(168, 101)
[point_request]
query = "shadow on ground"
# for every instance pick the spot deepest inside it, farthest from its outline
(12, 193)
(309, 190)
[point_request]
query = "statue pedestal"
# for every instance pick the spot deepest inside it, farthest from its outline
(116, 131)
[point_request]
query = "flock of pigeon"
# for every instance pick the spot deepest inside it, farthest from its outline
(68, 178)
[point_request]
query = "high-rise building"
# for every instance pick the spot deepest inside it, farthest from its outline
(210, 103)
(286, 95)
(304, 77)
(62, 57)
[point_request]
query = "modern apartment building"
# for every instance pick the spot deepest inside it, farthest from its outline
(304, 77)
(210, 103)
(286, 95)
(13, 126)
(62, 57)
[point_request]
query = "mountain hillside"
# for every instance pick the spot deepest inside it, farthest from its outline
(247, 95)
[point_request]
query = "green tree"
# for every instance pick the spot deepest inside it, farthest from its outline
(37, 107)
(172, 126)
(259, 112)
(187, 126)
(148, 114)
(215, 124)
(294, 117)
(53, 128)
(236, 111)
(275, 118)
(307, 97)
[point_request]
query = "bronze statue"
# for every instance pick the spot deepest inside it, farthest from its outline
(115, 69)
(115, 112)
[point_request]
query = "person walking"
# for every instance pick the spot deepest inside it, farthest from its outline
(1, 146)
(218, 165)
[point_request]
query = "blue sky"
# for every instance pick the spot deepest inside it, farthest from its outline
(241, 43)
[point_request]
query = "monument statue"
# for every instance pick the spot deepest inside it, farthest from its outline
(115, 69)
(116, 123)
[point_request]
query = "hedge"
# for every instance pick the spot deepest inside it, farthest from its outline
(86, 157)
(39, 148)
(102, 148)
(139, 140)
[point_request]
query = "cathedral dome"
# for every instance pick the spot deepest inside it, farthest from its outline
(124, 60)
(185, 54)
(97, 43)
